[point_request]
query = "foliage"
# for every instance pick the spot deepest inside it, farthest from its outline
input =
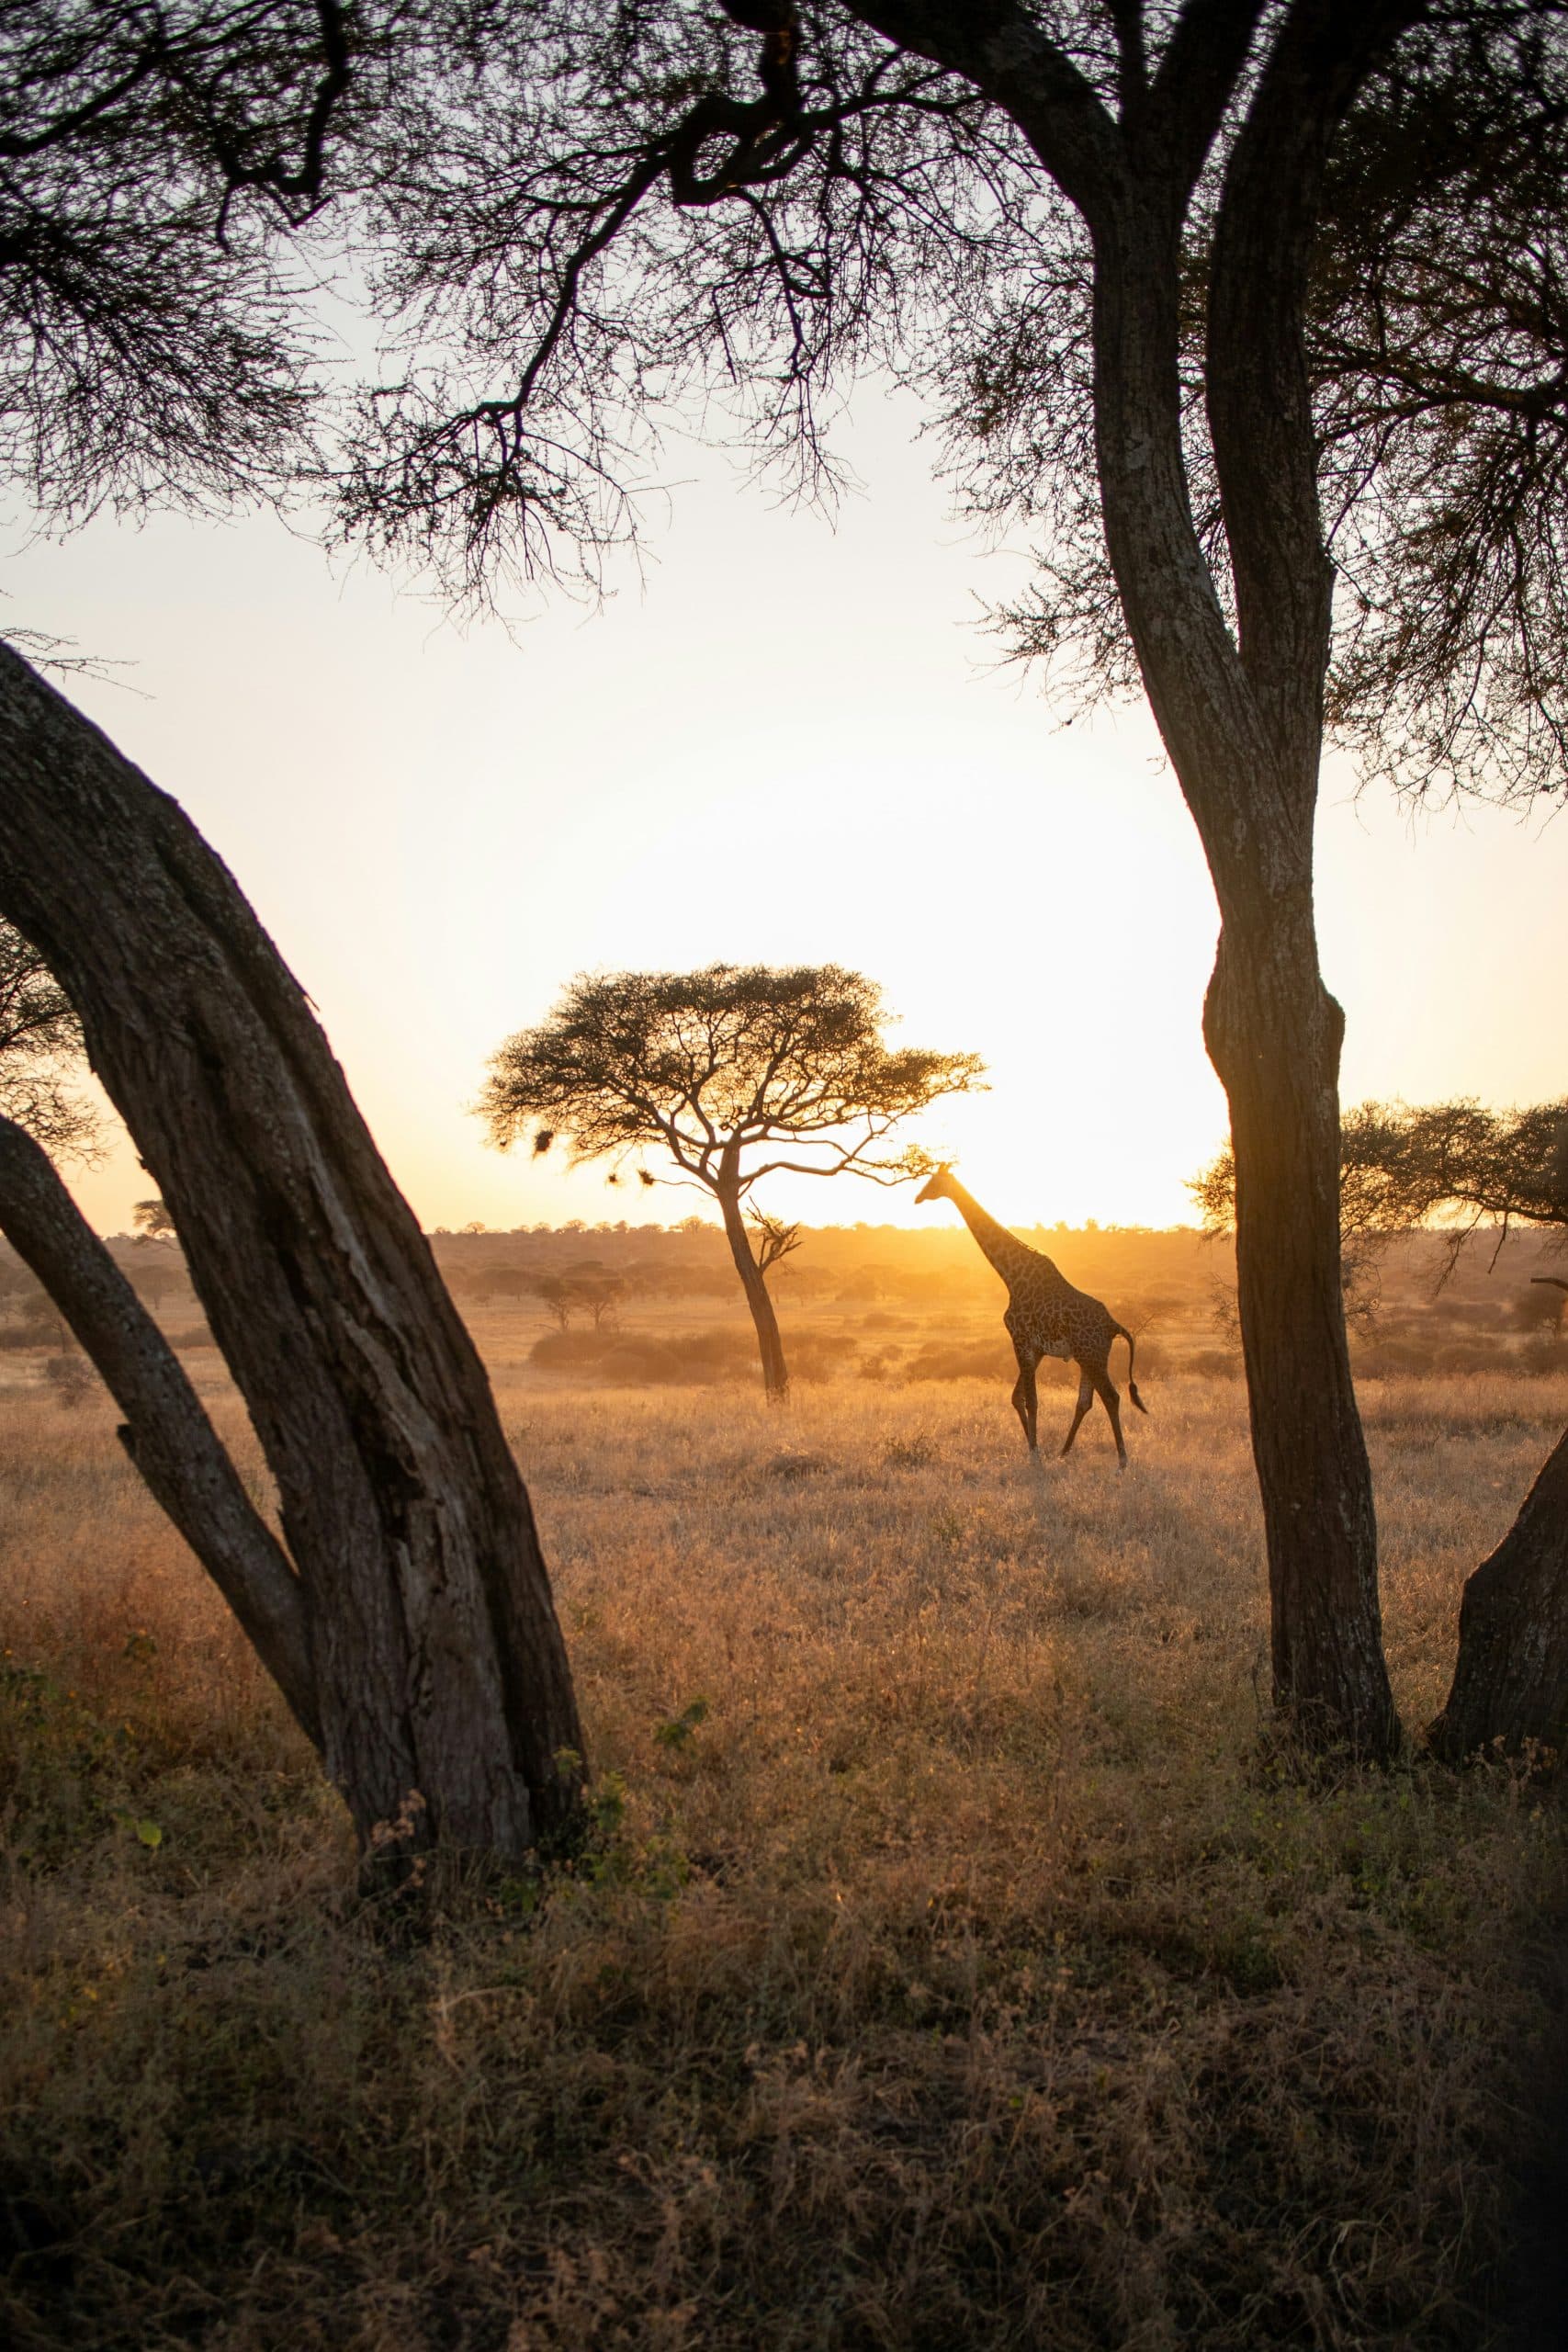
(572, 223)
(40, 1038)
(1403, 1166)
(152, 1222)
(737, 1073)
(154, 348)
(1436, 334)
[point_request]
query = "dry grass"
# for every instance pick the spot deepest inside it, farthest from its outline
(963, 1976)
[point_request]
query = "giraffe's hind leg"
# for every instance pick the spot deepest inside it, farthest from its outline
(1106, 1389)
(1025, 1401)
(1086, 1398)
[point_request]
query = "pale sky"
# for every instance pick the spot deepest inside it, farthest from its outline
(789, 743)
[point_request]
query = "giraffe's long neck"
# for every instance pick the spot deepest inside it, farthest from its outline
(1009, 1256)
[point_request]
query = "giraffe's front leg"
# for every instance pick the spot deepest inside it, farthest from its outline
(1086, 1398)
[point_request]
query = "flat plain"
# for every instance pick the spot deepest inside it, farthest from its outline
(956, 1960)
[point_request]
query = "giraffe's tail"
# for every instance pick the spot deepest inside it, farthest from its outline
(1132, 1351)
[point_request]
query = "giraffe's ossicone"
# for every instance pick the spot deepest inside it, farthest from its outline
(1045, 1317)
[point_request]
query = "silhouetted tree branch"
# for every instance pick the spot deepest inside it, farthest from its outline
(40, 1039)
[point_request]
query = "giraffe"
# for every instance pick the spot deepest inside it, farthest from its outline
(1045, 1317)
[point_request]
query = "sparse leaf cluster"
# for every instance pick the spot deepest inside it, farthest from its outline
(40, 1039)
(155, 339)
(574, 228)
(1456, 1165)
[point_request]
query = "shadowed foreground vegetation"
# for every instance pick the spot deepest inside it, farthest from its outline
(951, 1965)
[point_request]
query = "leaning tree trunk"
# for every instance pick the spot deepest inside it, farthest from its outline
(769, 1346)
(440, 1679)
(166, 1432)
(1510, 1685)
(1239, 707)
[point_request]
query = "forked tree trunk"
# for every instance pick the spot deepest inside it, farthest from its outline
(1510, 1685)
(441, 1684)
(769, 1346)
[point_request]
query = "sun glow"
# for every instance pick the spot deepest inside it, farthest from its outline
(441, 828)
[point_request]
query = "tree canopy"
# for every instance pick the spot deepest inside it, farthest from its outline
(738, 1071)
(1459, 1165)
(572, 227)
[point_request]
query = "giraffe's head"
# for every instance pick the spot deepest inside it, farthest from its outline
(935, 1187)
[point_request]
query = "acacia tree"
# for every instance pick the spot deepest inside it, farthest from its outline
(1480, 1171)
(1402, 1165)
(737, 1072)
(154, 1225)
(1220, 294)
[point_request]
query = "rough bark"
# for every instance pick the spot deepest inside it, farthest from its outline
(167, 1434)
(753, 1279)
(1246, 751)
(770, 1345)
(1510, 1685)
(438, 1662)
(1273, 1034)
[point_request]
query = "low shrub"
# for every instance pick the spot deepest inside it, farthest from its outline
(1468, 1356)
(974, 1359)
(571, 1351)
(686, 1359)
(70, 1378)
(639, 1359)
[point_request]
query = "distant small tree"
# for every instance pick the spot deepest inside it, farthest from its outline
(601, 1296)
(152, 1222)
(1541, 1307)
(557, 1297)
(40, 1038)
(69, 1378)
(598, 1296)
(1402, 1166)
(737, 1072)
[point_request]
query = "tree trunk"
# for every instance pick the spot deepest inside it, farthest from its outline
(1240, 712)
(167, 1434)
(1273, 1033)
(1510, 1682)
(440, 1679)
(769, 1346)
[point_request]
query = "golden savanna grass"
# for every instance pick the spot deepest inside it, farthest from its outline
(954, 1964)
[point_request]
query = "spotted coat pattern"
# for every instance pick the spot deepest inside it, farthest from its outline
(1045, 1317)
